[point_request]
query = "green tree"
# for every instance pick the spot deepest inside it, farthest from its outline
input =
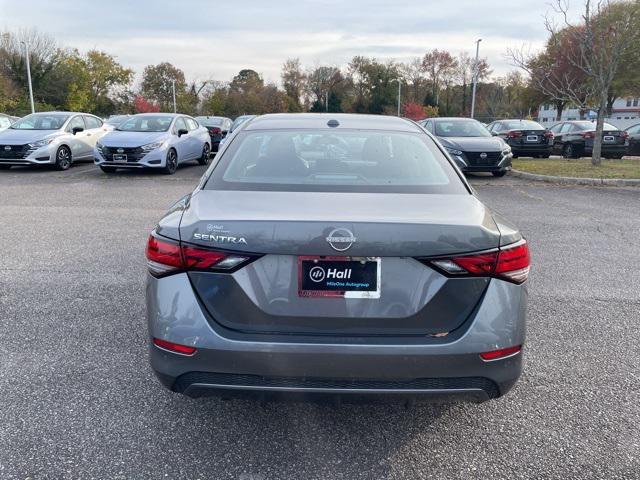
(157, 84)
(106, 79)
(293, 80)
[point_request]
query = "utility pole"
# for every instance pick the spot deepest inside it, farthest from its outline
(326, 101)
(399, 94)
(475, 79)
(173, 89)
(26, 48)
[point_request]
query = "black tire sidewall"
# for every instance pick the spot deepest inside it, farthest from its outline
(170, 169)
(204, 159)
(58, 165)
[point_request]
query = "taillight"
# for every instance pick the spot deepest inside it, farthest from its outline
(166, 256)
(500, 354)
(511, 263)
(174, 347)
(624, 135)
(589, 135)
(514, 134)
(163, 255)
(215, 130)
(549, 134)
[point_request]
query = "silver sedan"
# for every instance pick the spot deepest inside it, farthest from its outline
(158, 141)
(50, 138)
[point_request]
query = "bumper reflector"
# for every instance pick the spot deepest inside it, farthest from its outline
(174, 347)
(499, 354)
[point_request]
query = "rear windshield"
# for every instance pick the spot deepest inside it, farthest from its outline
(146, 123)
(460, 128)
(522, 125)
(41, 121)
(209, 122)
(340, 161)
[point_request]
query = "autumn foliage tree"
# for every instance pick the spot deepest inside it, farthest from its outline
(142, 105)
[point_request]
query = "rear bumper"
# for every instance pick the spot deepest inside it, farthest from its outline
(431, 369)
(521, 150)
(607, 150)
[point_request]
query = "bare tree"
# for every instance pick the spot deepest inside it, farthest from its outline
(438, 65)
(582, 59)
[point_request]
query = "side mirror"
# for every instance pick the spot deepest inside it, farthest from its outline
(182, 131)
(495, 134)
(77, 130)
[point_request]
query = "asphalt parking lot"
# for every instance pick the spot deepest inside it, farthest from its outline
(78, 400)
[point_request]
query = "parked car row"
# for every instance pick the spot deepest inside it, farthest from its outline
(159, 141)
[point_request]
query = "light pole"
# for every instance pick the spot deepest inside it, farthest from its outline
(399, 92)
(173, 89)
(26, 48)
(475, 79)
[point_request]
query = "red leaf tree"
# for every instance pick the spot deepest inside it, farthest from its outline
(142, 105)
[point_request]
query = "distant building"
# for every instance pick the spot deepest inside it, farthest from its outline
(625, 112)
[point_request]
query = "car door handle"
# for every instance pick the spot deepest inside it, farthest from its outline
(88, 134)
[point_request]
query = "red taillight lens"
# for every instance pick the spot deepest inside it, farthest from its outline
(514, 263)
(174, 347)
(166, 256)
(215, 130)
(163, 255)
(514, 134)
(198, 258)
(478, 264)
(511, 263)
(549, 134)
(502, 353)
(589, 135)
(625, 135)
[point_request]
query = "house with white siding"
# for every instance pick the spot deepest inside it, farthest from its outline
(625, 112)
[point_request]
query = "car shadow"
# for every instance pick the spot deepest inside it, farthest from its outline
(294, 438)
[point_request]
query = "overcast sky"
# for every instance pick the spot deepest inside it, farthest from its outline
(217, 38)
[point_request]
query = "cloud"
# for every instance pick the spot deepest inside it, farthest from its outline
(215, 39)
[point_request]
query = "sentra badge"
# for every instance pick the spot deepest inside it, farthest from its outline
(219, 238)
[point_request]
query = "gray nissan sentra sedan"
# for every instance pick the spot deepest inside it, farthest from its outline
(339, 254)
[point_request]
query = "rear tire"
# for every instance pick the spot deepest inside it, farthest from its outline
(206, 154)
(107, 169)
(63, 158)
(499, 174)
(546, 155)
(569, 151)
(171, 164)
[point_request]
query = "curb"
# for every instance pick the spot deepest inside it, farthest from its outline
(594, 182)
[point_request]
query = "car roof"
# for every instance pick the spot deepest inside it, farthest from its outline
(515, 120)
(59, 112)
(450, 118)
(160, 114)
(286, 121)
(211, 116)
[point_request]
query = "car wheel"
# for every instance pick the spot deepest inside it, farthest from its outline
(616, 157)
(171, 163)
(107, 169)
(514, 156)
(569, 151)
(546, 155)
(206, 152)
(500, 173)
(5, 167)
(63, 158)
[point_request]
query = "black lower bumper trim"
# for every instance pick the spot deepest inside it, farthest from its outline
(197, 384)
